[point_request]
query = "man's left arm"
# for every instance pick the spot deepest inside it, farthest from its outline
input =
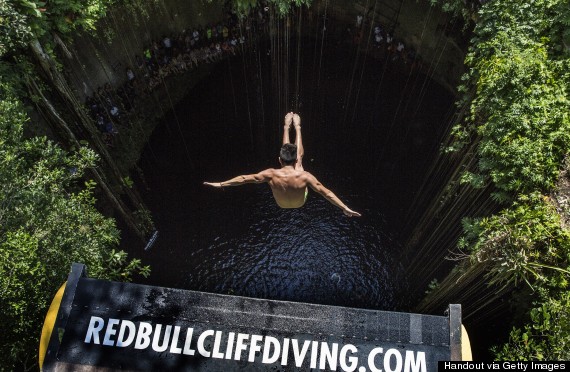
(329, 195)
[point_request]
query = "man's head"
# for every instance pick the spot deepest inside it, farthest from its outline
(288, 154)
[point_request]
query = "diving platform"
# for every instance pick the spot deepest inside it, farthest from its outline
(98, 325)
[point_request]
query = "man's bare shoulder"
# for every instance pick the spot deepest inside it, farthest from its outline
(269, 172)
(307, 175)
(266, 175)
(311, 180)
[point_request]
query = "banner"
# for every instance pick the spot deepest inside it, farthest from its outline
(136, 327)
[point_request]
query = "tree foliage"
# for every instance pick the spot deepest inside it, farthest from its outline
(15, 30)
(516, 92)
(283, 7)
(524, 243)
(546, 337)
(47, 221)
(24, 20)
(518, 96)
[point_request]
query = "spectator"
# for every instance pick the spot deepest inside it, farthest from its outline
(209, 33)
(115, 113)
(357, 37)
(139, 62)
(400, 47)
(148, 60)
(400, 51)
(192, 58)
(124, 99)
(378, 39)
(167, 48)
(188, 42)
(130, 74)
(218, 51)
(196, 36)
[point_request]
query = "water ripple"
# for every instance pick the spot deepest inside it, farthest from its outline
(312, 254)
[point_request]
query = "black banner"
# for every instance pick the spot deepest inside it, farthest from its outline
(124, 326)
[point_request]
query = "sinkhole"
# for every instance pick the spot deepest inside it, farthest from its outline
(372, 127)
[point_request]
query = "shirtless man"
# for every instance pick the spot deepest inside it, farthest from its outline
(289, 184)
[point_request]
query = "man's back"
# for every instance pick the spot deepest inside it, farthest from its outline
(289, 187)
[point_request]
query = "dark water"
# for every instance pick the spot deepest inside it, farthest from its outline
(372, 151)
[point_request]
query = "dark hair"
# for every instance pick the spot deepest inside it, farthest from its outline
(288, 154)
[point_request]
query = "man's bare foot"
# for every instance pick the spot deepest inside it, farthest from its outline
(296, 121)
(288, 120)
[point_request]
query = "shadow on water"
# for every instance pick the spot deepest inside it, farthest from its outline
(237, 241)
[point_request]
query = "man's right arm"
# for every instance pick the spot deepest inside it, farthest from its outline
(329, 195)
(263, 176)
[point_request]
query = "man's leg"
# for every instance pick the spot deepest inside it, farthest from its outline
(286, 126)
(298, 142)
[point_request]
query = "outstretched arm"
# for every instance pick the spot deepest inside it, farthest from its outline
(263, 176)
(330, 196)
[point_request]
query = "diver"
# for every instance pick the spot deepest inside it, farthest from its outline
(289, 184)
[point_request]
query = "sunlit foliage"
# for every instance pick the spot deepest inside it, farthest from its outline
(26, 19)
(524, 242)
(519, 110)
(516, 91)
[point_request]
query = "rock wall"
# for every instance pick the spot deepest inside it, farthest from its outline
(435, 37)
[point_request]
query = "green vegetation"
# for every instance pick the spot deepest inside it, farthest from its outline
(283, 7)
(48, 217)
(516, 91)
(25, 20)
(525, 243)
(545, 338)
(47, 222)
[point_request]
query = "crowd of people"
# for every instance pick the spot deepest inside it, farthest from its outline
(384, 42)
(107, 107)
(395, 48)
(171, 55)
(176, 55)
